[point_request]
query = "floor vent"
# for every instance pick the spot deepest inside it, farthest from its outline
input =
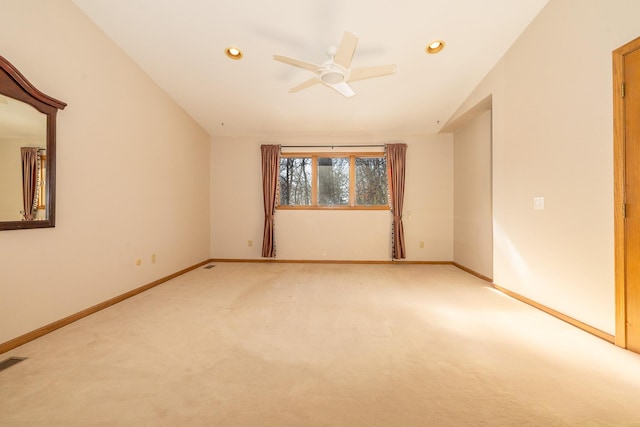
(7, 363)
(209, 266)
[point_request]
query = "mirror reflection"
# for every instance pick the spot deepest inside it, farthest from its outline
(23, 142)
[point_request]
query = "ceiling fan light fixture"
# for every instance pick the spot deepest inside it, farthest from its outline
(233, 52)
(435, 46)
(332, 77)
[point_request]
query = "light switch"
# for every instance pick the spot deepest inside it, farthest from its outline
(538, 203)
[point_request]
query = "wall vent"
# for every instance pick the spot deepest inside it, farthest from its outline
(209, 266)
(7, 363)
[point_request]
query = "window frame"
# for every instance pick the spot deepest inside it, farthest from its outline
(352, 181)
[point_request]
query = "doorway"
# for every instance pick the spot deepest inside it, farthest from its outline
(626, 141)
(473, 189)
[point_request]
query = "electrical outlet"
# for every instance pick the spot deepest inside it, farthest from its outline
(421, 244)
(138, 262)
(153, 258)
(250, 243)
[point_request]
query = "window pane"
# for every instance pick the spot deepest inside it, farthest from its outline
(333, 181)
(295, 181)
(371, 181)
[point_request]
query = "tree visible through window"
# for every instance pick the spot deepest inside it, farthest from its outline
(295, 181)
(333, 181)
(357, 181)
(371, 181)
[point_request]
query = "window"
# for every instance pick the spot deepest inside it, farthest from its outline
(295, 181)
(333, 181)
(371, 181)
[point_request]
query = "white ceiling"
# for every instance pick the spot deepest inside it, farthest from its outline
(181, 43)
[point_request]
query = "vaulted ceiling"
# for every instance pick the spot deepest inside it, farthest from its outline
(180, 44)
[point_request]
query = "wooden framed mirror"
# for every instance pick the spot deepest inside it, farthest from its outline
(27, 152)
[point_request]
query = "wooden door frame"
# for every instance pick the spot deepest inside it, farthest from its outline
(618, 191)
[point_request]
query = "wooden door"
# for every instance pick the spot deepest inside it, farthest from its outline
(627, 135)
(632, 192)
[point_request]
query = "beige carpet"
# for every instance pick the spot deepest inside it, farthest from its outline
(321, 345)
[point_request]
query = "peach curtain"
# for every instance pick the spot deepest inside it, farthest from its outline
(29, 182)
(270, 167)
(396, 157)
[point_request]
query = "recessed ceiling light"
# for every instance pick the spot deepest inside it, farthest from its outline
(435, 46)
(233, 52)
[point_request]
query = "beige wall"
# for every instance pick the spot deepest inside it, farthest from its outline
(552, 137)
(133, 173)
(333, 235)
(472, 226)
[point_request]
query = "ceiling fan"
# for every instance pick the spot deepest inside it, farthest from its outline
(336, 72)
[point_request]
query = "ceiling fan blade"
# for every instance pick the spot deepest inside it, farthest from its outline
(342, 88)
(345, 51)
(296, 62)
(370, 72)
(305, 85)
